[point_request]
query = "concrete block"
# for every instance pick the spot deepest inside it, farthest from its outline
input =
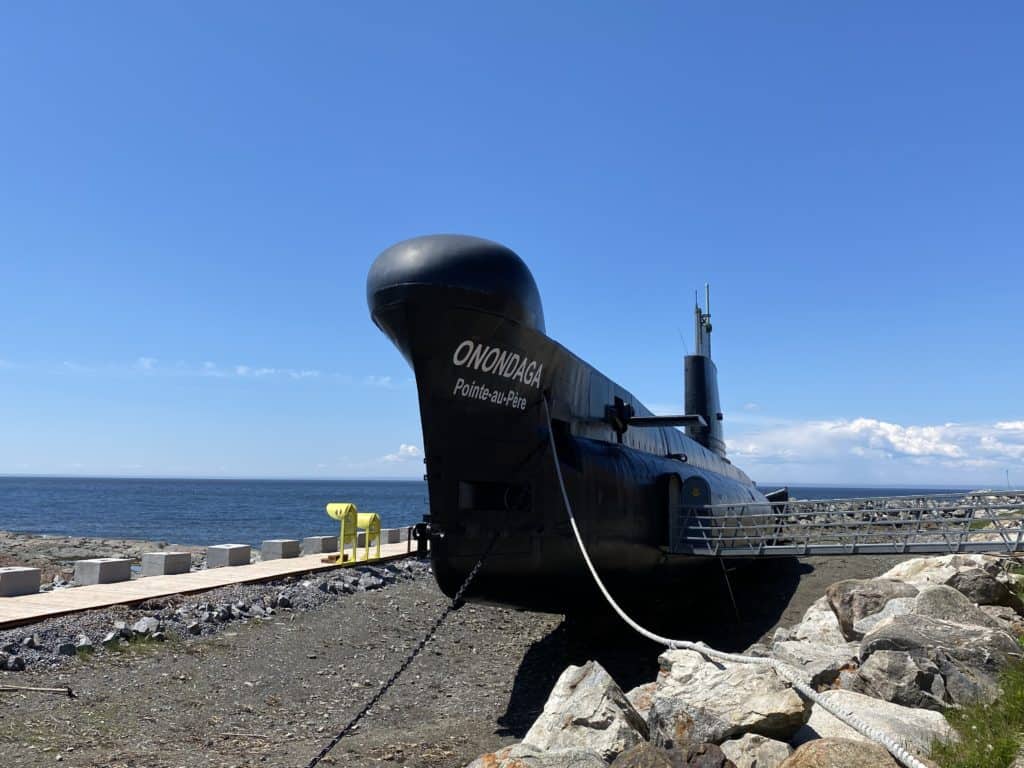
(16, 580)
(220, 555)
(103, 570)
(361, 539)
(395, 535)
(275, 549)
(316, 545)
(165, 563)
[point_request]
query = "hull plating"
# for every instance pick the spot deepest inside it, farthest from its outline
(489, 469)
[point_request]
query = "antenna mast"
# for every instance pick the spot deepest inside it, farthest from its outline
(702, 324)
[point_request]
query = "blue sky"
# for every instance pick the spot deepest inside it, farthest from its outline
(191, 195)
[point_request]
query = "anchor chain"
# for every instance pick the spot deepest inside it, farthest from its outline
(455, 604)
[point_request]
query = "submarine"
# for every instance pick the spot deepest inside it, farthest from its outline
(500, 402)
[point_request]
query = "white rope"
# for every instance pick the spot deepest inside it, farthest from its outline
(791, 675)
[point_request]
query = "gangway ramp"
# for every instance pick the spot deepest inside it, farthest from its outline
(977, 522)
(31, 608)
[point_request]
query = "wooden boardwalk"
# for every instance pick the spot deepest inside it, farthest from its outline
(32, 608)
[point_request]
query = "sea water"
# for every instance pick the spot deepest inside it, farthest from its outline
(199, 512)
(203, 512)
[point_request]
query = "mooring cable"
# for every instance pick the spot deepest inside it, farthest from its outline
(791, 675)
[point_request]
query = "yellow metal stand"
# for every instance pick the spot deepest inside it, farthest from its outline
(346, 514)
(352, 522)
(370, 523)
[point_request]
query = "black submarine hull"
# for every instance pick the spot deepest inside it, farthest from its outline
(466, 314)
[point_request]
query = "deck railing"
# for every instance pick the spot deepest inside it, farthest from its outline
(983, 521)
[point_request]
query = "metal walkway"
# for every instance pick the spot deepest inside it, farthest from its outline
(31, 608)
(982, 521)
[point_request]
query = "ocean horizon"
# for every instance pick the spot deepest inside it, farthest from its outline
(204, 511)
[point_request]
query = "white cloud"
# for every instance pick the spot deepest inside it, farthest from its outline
(751, 407)
(405, 453)
(384, 382)
(259, 373)
(153, 366)
(208, 368)
(829, 441)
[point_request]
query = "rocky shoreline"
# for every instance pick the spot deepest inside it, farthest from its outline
(56, 555)
(897, 651)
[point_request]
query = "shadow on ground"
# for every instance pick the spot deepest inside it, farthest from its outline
(698, 609)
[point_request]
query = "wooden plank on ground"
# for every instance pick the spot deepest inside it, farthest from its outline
(31, 608)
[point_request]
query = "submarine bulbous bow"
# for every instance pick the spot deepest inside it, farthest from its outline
(435, 272)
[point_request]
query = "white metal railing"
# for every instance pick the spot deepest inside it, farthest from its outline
(981, 521)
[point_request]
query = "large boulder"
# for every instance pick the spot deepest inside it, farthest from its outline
(853, 599)
(819, 624)
(816, 645)
(942, 602)
(641, 698)
(1009, 620)
(938, 570)
(967, 685)
(820, 663)
(840, 753)
(588, 710)
(895, 607)
(700, 701)
(968, 657)
(754, 751)
(646, 755)
(524, 756)
(914, 633)
(914, 729)
(900, 678)
(985, 589)
(707, 756)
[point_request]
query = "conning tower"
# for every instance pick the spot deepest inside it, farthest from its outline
(701, 382)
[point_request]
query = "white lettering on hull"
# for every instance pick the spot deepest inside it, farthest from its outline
(498, 362)
(471, 390)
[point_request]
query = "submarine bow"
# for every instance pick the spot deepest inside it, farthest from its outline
(467, 315)
(436, 272)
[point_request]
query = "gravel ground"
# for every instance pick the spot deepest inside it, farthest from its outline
(270, 691)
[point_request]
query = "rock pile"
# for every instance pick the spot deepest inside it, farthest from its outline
(897, 651)
(53, 641)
